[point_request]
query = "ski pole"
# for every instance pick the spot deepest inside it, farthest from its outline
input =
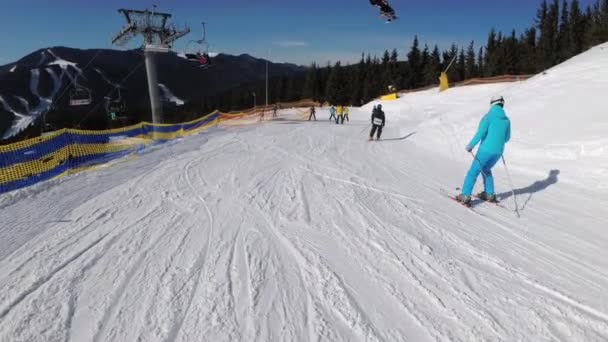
(365, 128)
(511, 184)
(508, 176)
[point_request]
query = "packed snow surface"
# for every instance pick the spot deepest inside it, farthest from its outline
(303, 231)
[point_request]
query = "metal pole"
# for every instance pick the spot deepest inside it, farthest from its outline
(158, 37)
(450, 65)
(267, 62)
(153, 87)
(266, 83)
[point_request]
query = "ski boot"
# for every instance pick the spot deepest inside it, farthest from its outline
(484, 196)
(464, 200)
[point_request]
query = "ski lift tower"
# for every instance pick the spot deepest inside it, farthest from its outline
(158, 36)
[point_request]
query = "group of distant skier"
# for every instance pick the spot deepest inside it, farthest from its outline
(493, 133)
(339, 114)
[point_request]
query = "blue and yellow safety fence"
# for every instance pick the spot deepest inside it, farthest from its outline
(68, 150)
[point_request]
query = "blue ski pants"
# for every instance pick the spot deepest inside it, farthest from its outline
(482, 163)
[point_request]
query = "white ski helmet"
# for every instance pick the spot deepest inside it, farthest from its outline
(497, 100)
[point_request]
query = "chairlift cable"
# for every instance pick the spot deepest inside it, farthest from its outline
(111, 91)
(75, 78)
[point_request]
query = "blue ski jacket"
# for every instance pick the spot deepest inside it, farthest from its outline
(494, 132)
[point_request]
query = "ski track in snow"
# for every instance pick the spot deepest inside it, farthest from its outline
(302, 232)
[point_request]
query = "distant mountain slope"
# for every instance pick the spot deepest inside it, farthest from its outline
(38, 83)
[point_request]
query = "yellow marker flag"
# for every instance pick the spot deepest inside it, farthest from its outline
(392, 96)
(443, 82)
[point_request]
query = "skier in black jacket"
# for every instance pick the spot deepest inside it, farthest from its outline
(378, 121)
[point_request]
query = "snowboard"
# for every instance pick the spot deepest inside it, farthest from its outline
(388, 18)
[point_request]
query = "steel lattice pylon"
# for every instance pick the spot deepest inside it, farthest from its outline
(158, 36)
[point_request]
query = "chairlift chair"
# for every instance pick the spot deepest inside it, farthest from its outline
(115, 107)
(198, 50)
(80, 96)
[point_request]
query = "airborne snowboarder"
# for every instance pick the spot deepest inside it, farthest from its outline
(385, 10)
(494, 132)
(378, 121)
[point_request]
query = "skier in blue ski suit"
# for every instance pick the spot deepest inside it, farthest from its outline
(332, 112)
(494, 132)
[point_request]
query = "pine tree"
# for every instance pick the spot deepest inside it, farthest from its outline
(386, 70)
(564, 43)
(598, 30)
(578, 25)
(367, 92)
(325, 72)
(461, 65)
(512, 55)
(491, 46)
(480, 63)
(544, 44)
(357, 78)
(280, 89)
(552, 53)
(470, 67)
(603, 34)
(433, 68)
(322, 74)
(395, 75)
(292, 93)
(604, 21)
(336, 86)
(425, 60)
(414, 61)
(310, 84)
(528, 59)
(377, 86)
(499, 56)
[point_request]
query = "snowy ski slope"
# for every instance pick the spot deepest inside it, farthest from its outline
(304, 231)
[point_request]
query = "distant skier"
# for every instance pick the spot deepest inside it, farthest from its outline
(494, 132)
(346, 112)
(332, 112)
(378, 121)
(312, 113)
(274, 110)
(340, 118)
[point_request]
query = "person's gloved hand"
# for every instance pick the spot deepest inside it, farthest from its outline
(468, 148)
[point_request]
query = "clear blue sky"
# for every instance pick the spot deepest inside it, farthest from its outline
(292, 30)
